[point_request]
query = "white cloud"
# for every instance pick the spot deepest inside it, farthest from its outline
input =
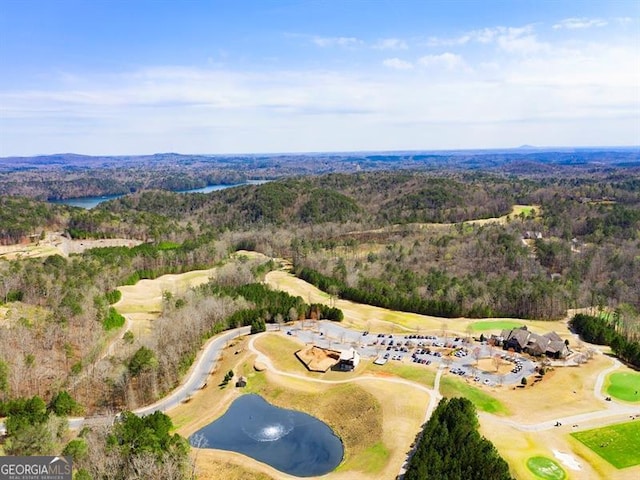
(336, 41)
(485, 35)
(520, 40)
(577, 23)
(397, 64)
(448, 42)
(391, 44)
(447, 60)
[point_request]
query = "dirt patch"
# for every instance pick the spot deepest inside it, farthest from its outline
(318, 359)
(489, 365)
(55, 243)
(68, 246)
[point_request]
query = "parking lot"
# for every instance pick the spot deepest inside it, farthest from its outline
(462, 358)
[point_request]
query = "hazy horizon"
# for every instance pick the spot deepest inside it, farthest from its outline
(522, 148)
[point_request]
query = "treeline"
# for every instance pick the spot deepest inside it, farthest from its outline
(35, 281)
(590, 206)
(48, 176)
(450, 447)
(439, 294)
(439, 200)
(601, 331)
(380, 295)
(271, 305)
(26, 220)
(103, 223)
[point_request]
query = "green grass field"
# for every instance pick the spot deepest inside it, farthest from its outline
(543, 467)
(617, 444)
(494, 325)
(450, 387)
(528, 210)
(624, 386)
(418, 374)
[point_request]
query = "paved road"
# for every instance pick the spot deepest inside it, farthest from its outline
(336, 336)
(197, 377)
(612, 410)
(193, 381)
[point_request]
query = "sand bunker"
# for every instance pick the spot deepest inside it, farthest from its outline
(568, 460)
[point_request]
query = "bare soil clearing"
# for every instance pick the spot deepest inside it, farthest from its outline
(527, 210)
(55, 243)
(489, 365)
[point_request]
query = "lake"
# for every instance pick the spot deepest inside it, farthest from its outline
(90, 202)
(290, 441)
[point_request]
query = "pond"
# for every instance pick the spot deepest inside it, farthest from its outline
(290, 441)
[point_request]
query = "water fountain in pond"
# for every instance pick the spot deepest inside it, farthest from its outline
(290, 441)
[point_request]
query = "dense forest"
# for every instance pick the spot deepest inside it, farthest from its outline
(451, 448)
(408, 240)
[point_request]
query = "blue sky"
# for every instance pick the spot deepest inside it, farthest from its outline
(136, 77)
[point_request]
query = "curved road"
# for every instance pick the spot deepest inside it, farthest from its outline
(612, 409)
(194, 380)
(208, 356)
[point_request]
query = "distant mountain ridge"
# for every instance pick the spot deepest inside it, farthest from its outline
(90, 160)
(68, 175)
